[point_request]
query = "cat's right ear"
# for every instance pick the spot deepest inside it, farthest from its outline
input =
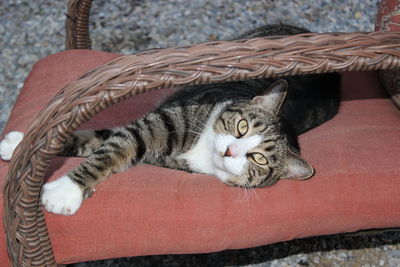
(297, 168)
(273, 98)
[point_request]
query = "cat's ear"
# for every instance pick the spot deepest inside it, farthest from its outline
(273, 98)
(296, 167)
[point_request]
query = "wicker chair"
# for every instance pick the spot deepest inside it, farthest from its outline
(27, 236)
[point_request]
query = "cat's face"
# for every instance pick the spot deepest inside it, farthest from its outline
(250, 148)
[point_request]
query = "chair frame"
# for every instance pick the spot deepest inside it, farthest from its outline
(28, 241)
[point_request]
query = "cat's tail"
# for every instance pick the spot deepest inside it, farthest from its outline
(83, 143)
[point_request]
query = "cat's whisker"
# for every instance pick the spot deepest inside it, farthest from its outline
(248, 193)
(208, 112)
(188, 131)
(184, 129)
(242, 196)
(239, 195)
(254, 190)
(193, 126)
(202, 123)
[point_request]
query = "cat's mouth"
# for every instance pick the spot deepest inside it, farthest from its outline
(228, 164)
(230, 153)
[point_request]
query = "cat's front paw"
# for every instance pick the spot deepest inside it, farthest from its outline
(8, 145)
(62, 196)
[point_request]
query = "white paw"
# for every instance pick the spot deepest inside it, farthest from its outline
(8, 145)
(62, 196)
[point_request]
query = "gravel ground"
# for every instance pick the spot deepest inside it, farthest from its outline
(31, 30)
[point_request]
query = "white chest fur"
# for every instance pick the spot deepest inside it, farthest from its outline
(200, 156)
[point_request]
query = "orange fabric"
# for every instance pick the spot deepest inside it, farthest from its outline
(153, 210)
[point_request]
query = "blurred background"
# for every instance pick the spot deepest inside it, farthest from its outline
(31, 30)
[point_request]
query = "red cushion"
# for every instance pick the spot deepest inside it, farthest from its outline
(153, 210)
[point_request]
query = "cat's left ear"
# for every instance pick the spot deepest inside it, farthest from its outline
(274, 96)
(296, 167)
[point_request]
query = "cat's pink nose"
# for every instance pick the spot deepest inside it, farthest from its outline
(228, 153)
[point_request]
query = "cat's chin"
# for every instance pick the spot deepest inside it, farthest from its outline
(229, 179)
(228, 167)
(223, 175)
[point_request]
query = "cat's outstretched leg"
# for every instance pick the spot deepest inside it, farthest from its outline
(153, 136)
(80, 144)
(123, 148)
(9, 143)
(62, 196)
(83, 143)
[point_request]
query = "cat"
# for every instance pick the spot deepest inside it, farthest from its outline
(244, 133)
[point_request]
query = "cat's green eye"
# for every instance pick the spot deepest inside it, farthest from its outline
(242, 127)
(259, 158)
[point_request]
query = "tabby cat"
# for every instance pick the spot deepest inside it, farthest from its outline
(244, 133)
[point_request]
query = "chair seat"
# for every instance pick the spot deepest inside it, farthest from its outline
(149, 210)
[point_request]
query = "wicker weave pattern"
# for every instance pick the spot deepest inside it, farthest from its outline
(126, 76)
(77, 24)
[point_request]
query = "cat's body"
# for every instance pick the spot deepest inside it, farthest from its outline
(244, 133)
